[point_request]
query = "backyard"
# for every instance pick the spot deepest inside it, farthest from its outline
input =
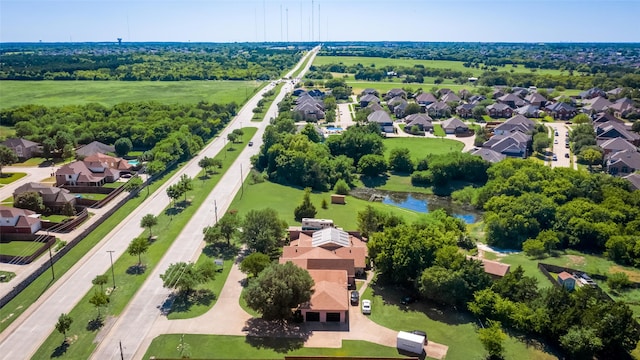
(421, 147)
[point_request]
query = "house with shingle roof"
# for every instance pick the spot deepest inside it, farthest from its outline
(94, 170)
(515, 123)
(450, 97)
(18, 221)
(370, 91)
(309, 109)
(367, 99)
(530, 111)
(394, 93)
(515, 144)
(53, 197)
(614, 145)
(333, 257)
(536, 99)
(23, 148)
(634, 179)
(94, 147)
(595, 105)
(422, 121)
(499, 110)
(438, 109)
(561, 110)
(623, 163)
(512, 100)
(383, 120)
(592, 93)
(426, 98)
(623, 107)
(495, 269)
(454, 126)
(612, 129)
(465, 110)
(489, 155)
(605, 117)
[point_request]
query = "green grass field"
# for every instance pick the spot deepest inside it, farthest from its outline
(240, 347)
(284, 199)
(443, 325)
(8, 178)
(93, 196)
(435, 64)
(421, 147)
(20, 248)
(54, 218)
(129, 281)
(108, 93)
(6, 131)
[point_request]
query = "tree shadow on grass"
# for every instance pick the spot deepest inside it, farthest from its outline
(183, 303)
(393, 294)
(60, 350)
(137, 269)
(221, 250)
(95, 324)
(535, 342)
(279, 336)
(374, 181)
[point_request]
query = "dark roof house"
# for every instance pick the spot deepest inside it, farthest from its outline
(454, 126)
(23, 148)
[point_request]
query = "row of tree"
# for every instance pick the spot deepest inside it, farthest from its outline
(165, 62)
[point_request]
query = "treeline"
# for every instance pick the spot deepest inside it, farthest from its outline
(162, 63)
(533, 206)
(167, 132)
(606, 81)
(372, 73)
(425, 258)
(603, 58)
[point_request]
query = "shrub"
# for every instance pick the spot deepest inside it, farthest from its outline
(421, 177)
(341, 187)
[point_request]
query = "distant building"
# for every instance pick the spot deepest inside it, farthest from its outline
(316, 224)
(567, 280)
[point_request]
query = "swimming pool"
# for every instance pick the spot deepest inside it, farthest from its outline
(133, 162)
(333, 128)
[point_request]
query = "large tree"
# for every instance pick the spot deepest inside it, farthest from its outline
(29, 200)
(372, 165)
(263, 230)
(278, 289)
(492, 338)
(184, 277)
(306, 209)
(225, 228)
(148, 221)
(123, 146)
(7, 157)
(400, 160)
(64, 324)
(138, 246)
(255, 263)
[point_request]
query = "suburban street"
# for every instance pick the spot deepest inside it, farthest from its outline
(559, 148)
(24, 336)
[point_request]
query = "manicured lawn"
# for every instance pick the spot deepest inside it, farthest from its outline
(113, 185)
(393, 182)
(8, 201)
(92, 196)
(435, 64)
(181, 310)
(284, 199)
(443, 325)
(439, 131)
(421, 147)
(8, 178)
(240, 347)
(38, 161)
(109, 93)
(128, 279)
(245, 307)
(54, 218)
(20, 248)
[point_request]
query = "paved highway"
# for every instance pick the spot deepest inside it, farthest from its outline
(23, 337)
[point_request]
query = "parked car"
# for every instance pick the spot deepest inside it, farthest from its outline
(555, 141)
(366, 306)
(250, 143)
(556, 133)
(406, 300)
(555, 157)
(566, 155)
(355, 297)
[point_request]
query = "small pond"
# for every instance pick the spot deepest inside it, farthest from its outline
(420, 203)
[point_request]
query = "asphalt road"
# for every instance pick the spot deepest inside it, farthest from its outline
(559, 149)
(26, 334)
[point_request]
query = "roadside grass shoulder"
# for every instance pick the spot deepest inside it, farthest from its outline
(9, 177)
(241, 347)
(259, 116)
(129, 276)
(454, 328)
(284, 200)
(109, 93)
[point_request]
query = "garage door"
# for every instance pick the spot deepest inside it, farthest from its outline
(333, 317)
(313, 316)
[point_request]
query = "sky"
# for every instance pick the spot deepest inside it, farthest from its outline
(332, 20)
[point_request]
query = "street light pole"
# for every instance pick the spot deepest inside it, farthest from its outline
(215, 207)
(241, 182)
(113, 274)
